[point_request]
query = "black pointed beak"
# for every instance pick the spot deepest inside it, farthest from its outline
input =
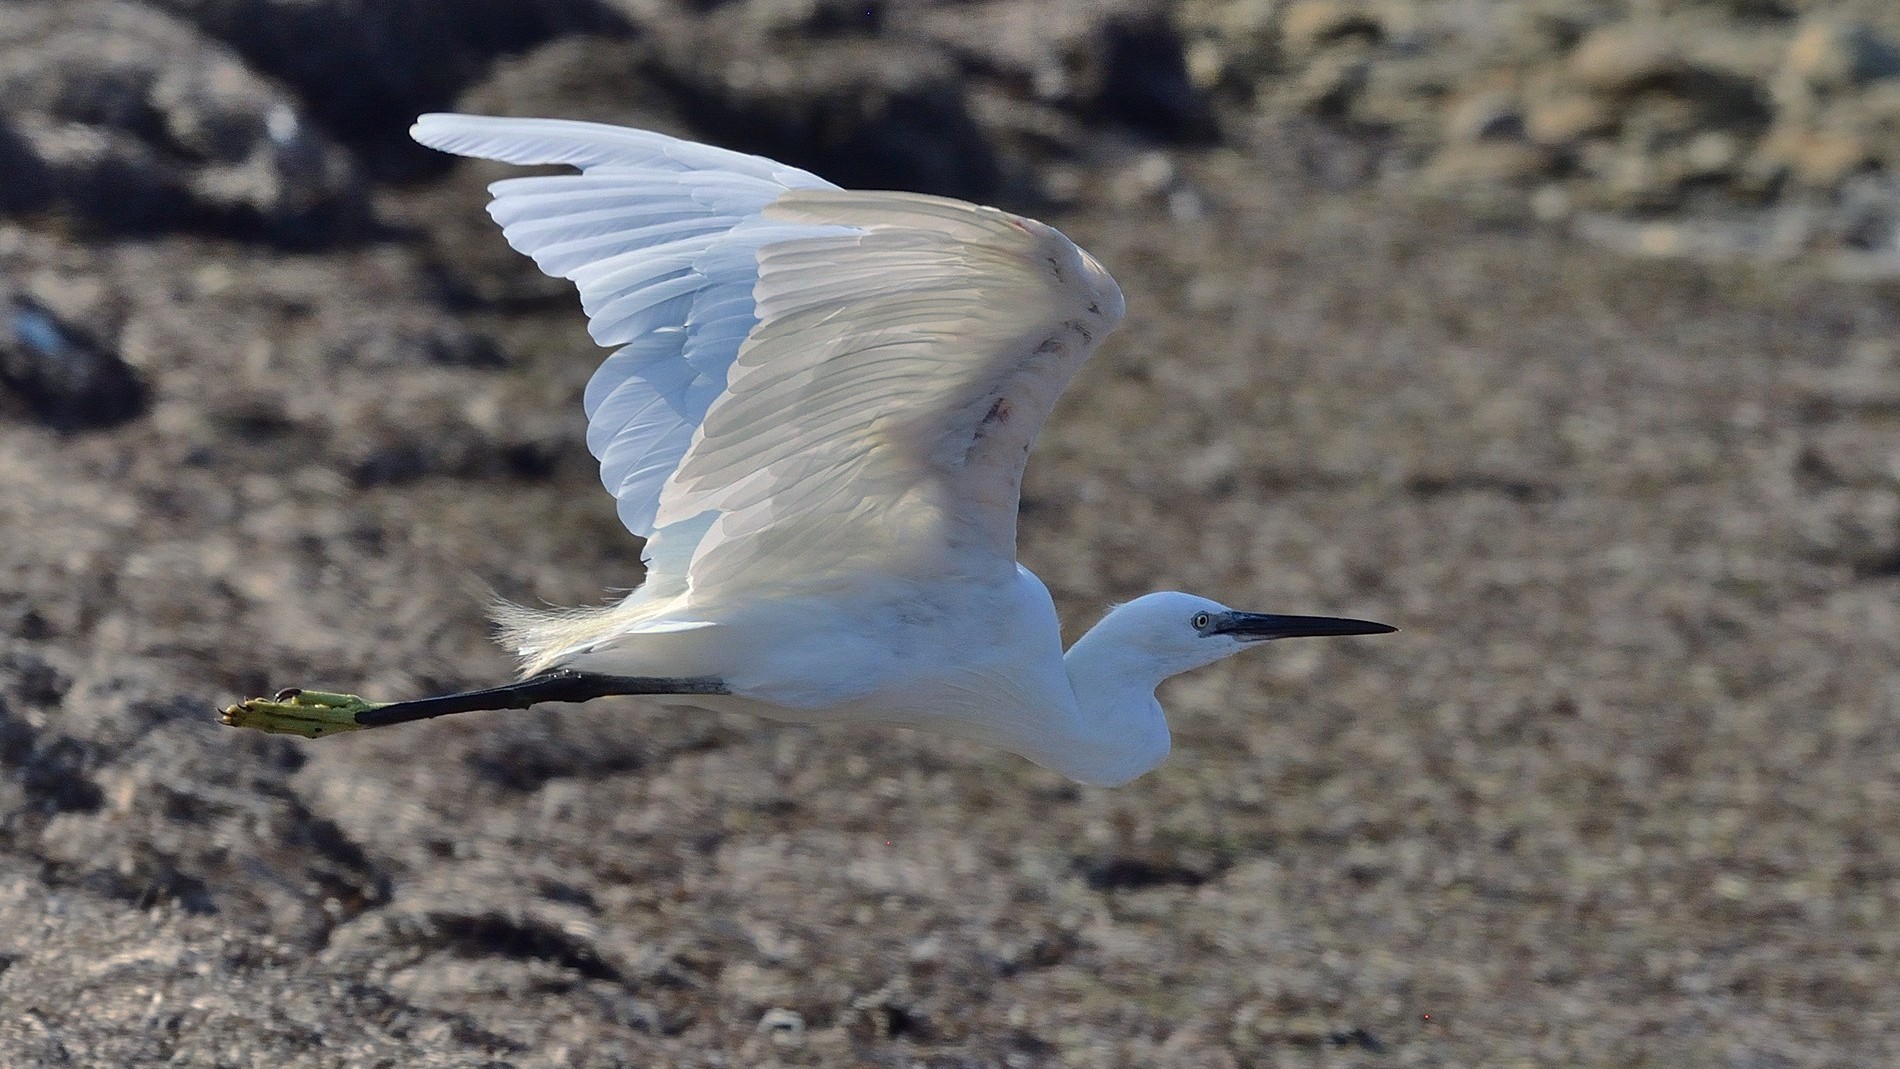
(1260, 626)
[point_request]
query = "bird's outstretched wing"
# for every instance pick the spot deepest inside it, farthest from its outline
(811, 381)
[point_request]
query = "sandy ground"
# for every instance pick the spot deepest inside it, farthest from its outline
(1624, 792)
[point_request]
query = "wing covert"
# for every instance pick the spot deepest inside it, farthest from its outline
(881, 411)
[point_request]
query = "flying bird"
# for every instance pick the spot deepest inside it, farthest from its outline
(817, 415)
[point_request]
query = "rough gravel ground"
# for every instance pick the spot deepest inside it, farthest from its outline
(1625, 791)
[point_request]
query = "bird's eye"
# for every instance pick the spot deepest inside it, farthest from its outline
(1201, 620)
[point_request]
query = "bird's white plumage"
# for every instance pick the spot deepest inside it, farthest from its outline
(907, 359)
(590, 145)
(646, 232)
(818, 415)
(810, 379)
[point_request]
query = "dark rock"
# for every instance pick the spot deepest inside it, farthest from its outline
(51, 770)
(521, 937)
(1136, 873)
(31, 680)
(366, 68)
(860, 112)
(592, 77)
(863, 114)
(961, 101)
(1143, 80)
(67, 378)
(119, 116)
(16, 737)
(28, 186)
(1124, 63)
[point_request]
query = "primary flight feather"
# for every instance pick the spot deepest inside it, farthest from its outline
(818, 417)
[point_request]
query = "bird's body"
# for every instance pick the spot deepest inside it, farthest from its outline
(903, 655)
(818, 418)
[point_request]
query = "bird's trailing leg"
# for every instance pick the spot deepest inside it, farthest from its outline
(313, 713)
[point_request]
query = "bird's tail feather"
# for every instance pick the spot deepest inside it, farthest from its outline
(543, 638)
(547, 638)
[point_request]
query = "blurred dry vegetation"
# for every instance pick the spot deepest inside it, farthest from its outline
(1561, 333)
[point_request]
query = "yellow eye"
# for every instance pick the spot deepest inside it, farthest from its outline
(1201, 620)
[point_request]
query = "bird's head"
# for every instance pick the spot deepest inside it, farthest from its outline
(1171, 632)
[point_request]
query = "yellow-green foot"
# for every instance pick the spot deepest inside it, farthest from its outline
(310, 713)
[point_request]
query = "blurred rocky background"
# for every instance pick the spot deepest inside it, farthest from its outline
(1564, 334)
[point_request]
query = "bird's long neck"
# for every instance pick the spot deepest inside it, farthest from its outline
(1124, 732)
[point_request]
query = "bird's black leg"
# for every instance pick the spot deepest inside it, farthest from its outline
(316, 713)
(560, 685)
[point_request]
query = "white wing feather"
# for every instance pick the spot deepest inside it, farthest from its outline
(879, 414)
(811, 381)
(647, 233)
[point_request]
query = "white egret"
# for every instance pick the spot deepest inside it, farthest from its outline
(818, 417)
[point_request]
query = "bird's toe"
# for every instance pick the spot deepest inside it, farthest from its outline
(309, 713)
